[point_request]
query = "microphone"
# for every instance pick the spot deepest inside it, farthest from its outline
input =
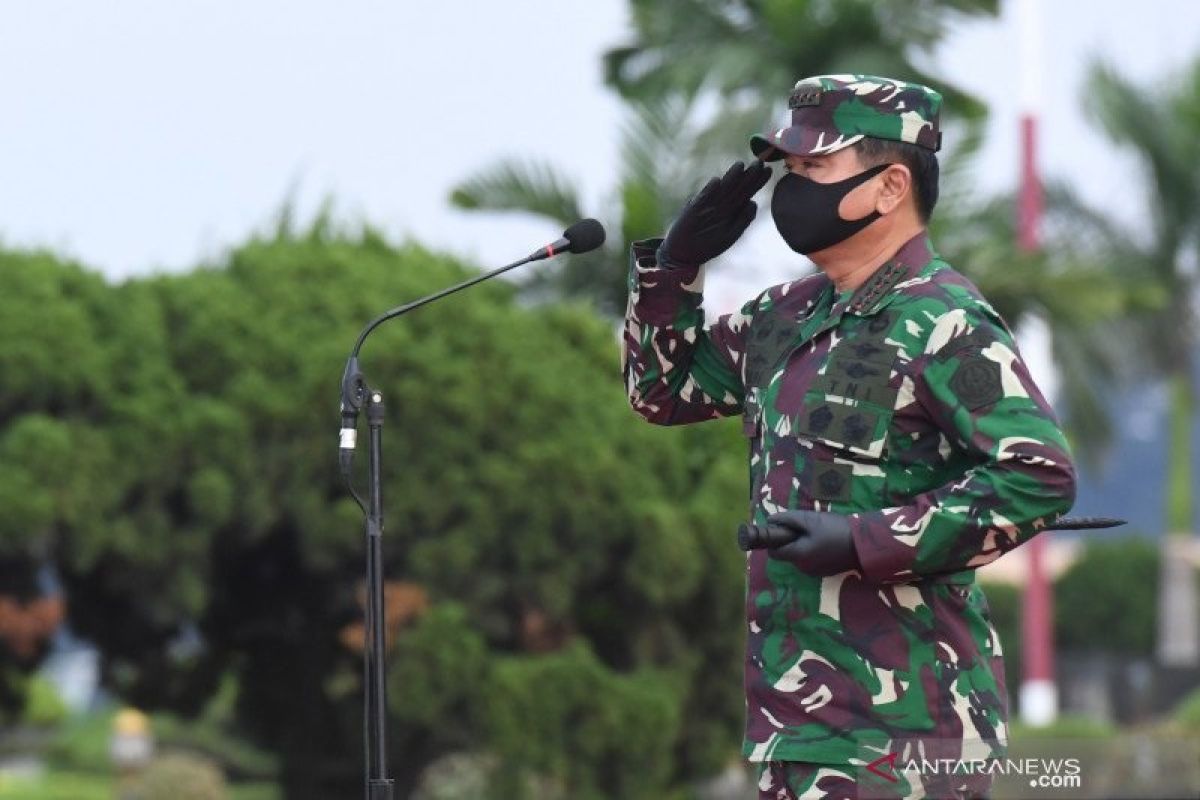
(582, 237)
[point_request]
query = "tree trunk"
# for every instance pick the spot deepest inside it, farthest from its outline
(1178, 620)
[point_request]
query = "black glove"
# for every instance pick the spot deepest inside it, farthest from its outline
(715, 217)
(823, 545)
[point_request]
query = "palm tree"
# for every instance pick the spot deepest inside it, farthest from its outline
(744, 54)
(1076, 284)
(749, 53)
(1159, 124)
(652, 184)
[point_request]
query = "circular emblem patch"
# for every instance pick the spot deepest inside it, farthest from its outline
(976, 383)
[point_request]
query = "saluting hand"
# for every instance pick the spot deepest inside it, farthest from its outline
(715, 217)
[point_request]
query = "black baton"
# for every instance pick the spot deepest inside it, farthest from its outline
(761, 537)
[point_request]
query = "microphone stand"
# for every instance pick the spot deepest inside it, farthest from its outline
(356, 396)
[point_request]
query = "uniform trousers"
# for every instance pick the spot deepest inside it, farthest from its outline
(799, 780)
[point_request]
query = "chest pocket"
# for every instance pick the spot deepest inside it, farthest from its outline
(859, 429)
(850, 405)
(771, 335)
(860, 371)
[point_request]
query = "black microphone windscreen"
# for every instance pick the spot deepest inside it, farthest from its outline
(585, 235)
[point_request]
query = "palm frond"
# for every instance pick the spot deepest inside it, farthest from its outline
(672, 38)
(1085, 370)
(728, 135)
(515, 185)
(964, 139)
(654, 140)
(1145, 124)
(923, 23)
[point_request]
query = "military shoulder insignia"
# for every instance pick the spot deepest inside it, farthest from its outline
(879, 284)
(976, 382)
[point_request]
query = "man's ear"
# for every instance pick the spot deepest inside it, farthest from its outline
(896, 184)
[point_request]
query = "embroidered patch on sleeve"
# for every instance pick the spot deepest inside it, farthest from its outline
(976, 382)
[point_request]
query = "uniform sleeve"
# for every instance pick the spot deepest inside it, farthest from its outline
(676, 370)
(975, 387)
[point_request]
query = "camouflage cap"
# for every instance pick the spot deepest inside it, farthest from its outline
(830, 112)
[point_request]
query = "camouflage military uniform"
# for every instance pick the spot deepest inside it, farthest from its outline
(906, 406)
(788, 779)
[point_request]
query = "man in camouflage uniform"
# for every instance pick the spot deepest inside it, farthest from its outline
(894, 430)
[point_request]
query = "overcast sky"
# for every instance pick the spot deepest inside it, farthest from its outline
(142, 135)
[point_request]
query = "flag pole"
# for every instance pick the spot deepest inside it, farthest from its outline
(1039, 691)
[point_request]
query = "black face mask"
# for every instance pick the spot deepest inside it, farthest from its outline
(806, 212)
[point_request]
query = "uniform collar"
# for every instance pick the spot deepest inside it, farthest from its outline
(907, 263)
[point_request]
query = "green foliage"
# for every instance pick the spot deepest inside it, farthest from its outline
(532, 186)
(1180, 503)
(1066, 728)
(735, 47)
(1187, 713)
(1158, 124)
(90, 786)
(80, 767)
(1004, 605)
(219, 745)
(214, 734)
(653, 182)
(58, 786)
(744, 55)
(749, 54)
(190, 501)
(457, 776)
(440, 671)
(179, 776)
(595, 733)
(26, 698)
(43, 705)
(1080, 285)
(255, 791)
(1111, 588)
(81, 745)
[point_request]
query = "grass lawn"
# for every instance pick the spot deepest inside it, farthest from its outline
(91, 786)
(57, 786)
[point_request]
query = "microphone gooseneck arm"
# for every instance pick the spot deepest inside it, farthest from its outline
(583, 236)
(354, 386)
(415, 304)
